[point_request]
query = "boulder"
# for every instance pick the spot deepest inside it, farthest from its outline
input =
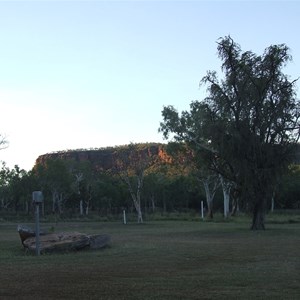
(99, 241)
(63, 241)
(26, 232)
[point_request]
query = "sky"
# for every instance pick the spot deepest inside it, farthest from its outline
(92, 74)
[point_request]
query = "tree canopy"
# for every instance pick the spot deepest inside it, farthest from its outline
(248, 125)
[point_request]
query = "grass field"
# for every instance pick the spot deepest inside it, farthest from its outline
(159, 260)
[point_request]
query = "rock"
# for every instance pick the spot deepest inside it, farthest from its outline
(63, 241)
(99, 241)
(26, 232)
(105, 158)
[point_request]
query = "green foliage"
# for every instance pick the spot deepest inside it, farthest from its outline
(16, 186)
(170, 187)
(288, 193)
(247, 127)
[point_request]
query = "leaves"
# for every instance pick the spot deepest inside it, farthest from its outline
(249, 121)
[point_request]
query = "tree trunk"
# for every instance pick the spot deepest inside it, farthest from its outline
(135, 194)
(89, 200)
(60, 203)
(235, 195)
(226, 186)
(262, 190)
(137, 205)
(210, 194)
(140, 216)
(273, 202)
(258, 220)
(210, 210)
(234, 207)
(54, 196)
(152, 203)
(226, 203)
(81, 207)
(87, 205)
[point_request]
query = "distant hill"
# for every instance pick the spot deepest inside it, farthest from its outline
(105, 158)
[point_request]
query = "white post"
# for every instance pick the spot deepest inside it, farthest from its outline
(124, 217)
(202, 214)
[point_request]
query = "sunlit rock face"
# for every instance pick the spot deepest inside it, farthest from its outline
(105, 158)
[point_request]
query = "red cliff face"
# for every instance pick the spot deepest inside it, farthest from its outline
(164, 157)
(105, 158)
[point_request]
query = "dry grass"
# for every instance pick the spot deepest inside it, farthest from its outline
(159, 260)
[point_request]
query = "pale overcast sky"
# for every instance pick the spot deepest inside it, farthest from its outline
(81, 74)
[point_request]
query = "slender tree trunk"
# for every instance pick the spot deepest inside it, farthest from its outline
(54, 196)
(89, 200)
(152, 203)
(226, 186)
(234, 206)
(235, 201)
(209, 201)
(226, 203)
(210, 194)
(87, 205)
(136, 197)
(273, 202)
(140, 215)
(137, 205)
(60, 203)
(81, 207)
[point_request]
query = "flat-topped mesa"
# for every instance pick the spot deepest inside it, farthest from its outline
(105, 158)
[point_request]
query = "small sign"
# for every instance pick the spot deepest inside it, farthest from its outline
(37, 197)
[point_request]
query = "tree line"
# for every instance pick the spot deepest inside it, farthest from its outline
(140, 185)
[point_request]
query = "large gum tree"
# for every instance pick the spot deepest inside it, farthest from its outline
(248, 125)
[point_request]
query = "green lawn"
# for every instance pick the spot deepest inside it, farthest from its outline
(159, 260)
